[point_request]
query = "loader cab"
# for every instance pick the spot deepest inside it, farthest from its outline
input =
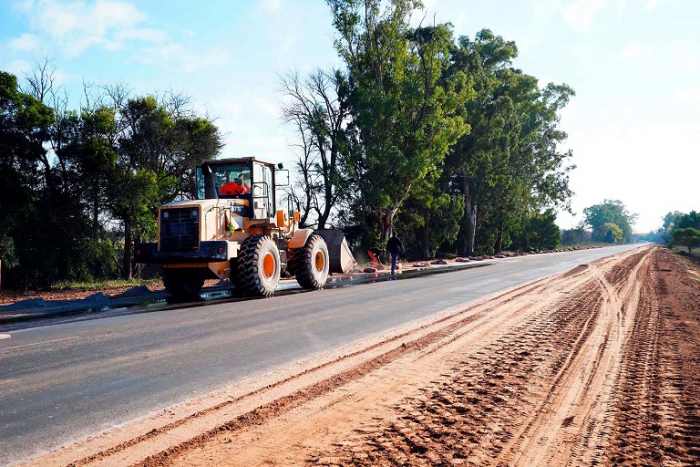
(250, 181)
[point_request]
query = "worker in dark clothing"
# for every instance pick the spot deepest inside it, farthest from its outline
(395, 247)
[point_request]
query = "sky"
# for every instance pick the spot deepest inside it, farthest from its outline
(633, 126)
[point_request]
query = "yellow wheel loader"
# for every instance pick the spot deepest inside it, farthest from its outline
(234, 230)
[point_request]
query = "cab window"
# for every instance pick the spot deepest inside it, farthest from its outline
(231, 180)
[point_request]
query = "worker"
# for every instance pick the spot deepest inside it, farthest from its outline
(375, 254)
(244, 186)
(395, 247)
(236, 187)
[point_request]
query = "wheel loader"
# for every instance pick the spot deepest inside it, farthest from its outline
(235, 230)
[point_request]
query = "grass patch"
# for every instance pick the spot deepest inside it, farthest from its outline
(106, 284)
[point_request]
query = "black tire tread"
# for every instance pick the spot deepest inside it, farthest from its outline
(302, 264)
(248, 274)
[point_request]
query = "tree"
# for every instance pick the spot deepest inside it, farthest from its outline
(24, 181)
(575, 236)
(403, 110)
(157, 151)
(670, 223)
(430, 216)
(318, 108)
(608, 232)
(691, 219)
(69, 174)
(609, 212)
(509, 163)
(688, 237)
(542, 231)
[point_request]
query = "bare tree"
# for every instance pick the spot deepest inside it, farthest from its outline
(318, 109)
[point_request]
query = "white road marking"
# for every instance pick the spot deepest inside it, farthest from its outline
(5, 336)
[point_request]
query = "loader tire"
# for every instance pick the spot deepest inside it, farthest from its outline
(258, 266)
(310, 263)
(182, 283)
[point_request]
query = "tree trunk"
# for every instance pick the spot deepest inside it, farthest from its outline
(499, 241)
(386, 223)
(95, 214)
(469, 216)
(426, 236)
(128, 243)
(327, 205)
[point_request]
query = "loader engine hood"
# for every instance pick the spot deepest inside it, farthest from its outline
(183, 225)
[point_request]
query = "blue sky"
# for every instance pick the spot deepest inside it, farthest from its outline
(634, 125)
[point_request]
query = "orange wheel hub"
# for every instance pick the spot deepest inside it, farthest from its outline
(268, 265)
(319, 261)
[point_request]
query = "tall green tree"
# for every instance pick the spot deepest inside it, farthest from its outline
(510, 162)
(472, 159)
(404, 113)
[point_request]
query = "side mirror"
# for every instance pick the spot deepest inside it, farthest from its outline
(280, 166)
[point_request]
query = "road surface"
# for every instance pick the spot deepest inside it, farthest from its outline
(64, 379)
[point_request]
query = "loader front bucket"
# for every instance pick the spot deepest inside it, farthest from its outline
(341, 258)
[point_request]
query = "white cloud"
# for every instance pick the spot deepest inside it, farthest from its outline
(18, 67)
(654, 4)
(76, 25)
(63, 19)
(682, 57)
(23, 6)
(580, 14)
(25, 42)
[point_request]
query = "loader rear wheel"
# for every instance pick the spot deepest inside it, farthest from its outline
(310, 263)
(258, 266)
(183, 283)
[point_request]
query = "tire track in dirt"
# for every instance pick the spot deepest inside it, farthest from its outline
(599, 366)
(119, 453)
(657, 418)
(521, 301)
(486, 324)
(489, 414)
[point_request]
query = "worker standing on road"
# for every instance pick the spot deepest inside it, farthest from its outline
(395, 247)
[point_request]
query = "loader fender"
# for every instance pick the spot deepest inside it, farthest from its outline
(299, 238)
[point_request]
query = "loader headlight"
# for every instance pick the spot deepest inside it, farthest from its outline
(166, 214)
(194, 213)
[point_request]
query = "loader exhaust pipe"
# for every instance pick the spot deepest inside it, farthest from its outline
(209, 183)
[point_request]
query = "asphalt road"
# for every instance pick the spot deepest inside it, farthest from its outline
(67, 378)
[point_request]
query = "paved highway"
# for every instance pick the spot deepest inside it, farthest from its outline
(63, 379)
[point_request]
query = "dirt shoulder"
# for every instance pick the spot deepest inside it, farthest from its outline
(595, 366)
